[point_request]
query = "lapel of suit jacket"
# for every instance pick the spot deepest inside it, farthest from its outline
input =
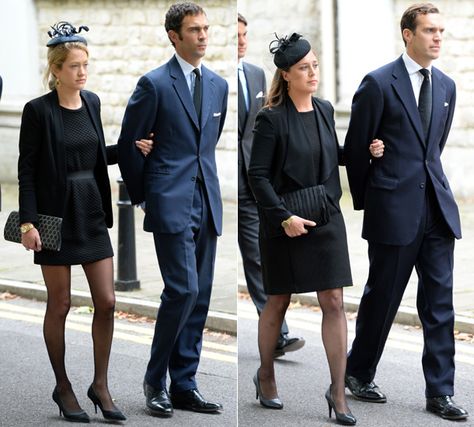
(242, 110)
(95, 117)
(57, 129)
(252, 91)
(208, 94)
(328, 140)
(182, 89)
(404, 89)
(439, 97)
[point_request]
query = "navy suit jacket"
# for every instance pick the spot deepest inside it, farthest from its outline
(391, 189)
(165, 179)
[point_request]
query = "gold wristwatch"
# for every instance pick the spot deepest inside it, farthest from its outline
(287, 222)
(24, 228)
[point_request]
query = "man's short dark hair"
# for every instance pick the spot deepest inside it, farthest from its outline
(409, 16)
(240, 18)
(177, 12)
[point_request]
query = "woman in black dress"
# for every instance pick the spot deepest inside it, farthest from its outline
(62, 171)
(295, 147)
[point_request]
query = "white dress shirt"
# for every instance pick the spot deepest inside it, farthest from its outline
(416, 77)
(187, 69)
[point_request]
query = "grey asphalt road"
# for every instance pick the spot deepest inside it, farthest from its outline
(303, 377)
(27, 381)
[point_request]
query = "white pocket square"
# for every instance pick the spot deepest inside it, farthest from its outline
(216, 114)
(259, 95)
(446, 104)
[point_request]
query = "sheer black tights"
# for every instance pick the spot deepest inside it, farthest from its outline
(58, 282)
(334, 335)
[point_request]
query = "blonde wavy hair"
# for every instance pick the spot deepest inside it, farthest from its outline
(57, 56)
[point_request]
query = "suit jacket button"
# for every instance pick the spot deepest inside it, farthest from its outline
(422, 185)
(193, 178)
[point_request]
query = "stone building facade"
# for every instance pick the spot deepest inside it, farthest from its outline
(126, 39)
(352, 38)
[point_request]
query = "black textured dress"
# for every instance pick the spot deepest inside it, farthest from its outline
(85, 237)
(315, 261)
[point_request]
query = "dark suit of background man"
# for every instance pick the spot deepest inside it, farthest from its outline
(252, 89)
(178, 181)
(410, 216)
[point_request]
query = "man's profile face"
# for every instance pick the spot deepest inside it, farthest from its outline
(191, 41)
(424, 44)
(242, 36)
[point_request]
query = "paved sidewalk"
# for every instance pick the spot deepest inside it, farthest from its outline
(19, 275)
(407, 314)
(16, 266)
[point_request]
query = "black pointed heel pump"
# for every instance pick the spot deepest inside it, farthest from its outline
(274, 403)
(75, 417)
(346, 419)
(116, 415)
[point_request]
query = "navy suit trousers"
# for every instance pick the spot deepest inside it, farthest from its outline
(186, 262)
(431, 253)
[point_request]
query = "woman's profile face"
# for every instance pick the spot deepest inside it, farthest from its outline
(303, 77)
(73, 73)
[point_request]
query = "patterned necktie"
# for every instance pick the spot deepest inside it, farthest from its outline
(197, 95)
(425, 101)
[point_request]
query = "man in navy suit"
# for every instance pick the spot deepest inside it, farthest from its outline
(183, 104)
(410, 216)
(252, 88)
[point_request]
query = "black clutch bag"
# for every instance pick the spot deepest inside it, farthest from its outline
(308, 203)
(49, 228)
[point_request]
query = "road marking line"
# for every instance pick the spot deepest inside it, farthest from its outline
(397, 340)
(146, 340)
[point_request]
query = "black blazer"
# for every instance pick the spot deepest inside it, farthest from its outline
(42, 171)
(280, 156)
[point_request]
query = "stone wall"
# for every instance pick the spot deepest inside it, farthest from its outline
(456, 60)
(126, 39)
(267, 17)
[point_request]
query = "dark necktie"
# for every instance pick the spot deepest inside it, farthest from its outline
(425, 101)
(197, 96)
(242, 107)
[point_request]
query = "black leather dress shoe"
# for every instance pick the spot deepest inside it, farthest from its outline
(367, 392)
(157, 401)
(286, 344)
(445, 408)
(192, 400)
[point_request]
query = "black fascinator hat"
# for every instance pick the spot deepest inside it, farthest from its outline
(64, 32)
(287, 51)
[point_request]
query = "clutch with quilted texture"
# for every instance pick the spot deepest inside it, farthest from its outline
(49, 228)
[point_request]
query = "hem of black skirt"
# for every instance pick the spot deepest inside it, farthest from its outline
(84, 261)
(305, 290)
